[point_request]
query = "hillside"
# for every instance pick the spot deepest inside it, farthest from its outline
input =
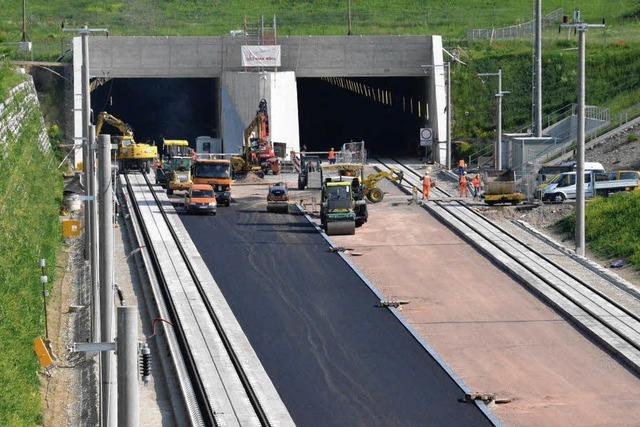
(30, 195)
(198, 17)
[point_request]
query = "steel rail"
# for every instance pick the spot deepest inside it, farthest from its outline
(205, 408)
(460, 217)
(253, 398)
(535, 252)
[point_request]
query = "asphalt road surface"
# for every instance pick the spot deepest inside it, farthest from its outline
(335, 358)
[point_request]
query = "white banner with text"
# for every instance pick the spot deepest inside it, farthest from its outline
(261, 56)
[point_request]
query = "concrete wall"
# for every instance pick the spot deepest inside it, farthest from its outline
(437, 98)
(240, 94)
(217, 57)
(21, 100)
(242, 91)
(283, 109)
(331, 56)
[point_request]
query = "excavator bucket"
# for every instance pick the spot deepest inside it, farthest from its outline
(335, 228)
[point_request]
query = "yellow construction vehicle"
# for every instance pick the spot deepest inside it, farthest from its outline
(369, 185)
(371, 190)
(130, 155)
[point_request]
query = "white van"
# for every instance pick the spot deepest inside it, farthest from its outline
(595, 183)
(548, 185)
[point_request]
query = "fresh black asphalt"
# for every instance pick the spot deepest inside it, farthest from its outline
(335, 358)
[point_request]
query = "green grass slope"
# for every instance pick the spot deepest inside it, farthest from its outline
(198, 17)
(612, 226)
(613, 61)
(30, 191)
(613, 77)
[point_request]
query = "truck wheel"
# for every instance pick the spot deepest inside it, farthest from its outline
(559, 198)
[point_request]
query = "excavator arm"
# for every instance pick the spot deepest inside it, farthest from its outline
(249, 130)
(105, 117)
(393, 175)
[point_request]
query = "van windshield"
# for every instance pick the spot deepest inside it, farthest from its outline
(554, 179)
(199, 194)
(570, 179)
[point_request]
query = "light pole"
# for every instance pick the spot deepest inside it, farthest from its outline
(24, 20)
(108, 410)
(349, 17)
(537, 67)
(447, 66)
(581, 28)
(497, 152)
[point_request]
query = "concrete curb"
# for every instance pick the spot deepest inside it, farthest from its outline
(184, 404)
(592, 328)
(586, 262)
(396, 312)
(627, 356)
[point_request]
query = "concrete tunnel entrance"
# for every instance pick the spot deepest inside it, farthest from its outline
(157, 108)
(334, 111)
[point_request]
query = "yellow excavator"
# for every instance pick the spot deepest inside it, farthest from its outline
(130, 155)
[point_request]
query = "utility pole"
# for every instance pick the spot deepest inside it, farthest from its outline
(127, 349)
(87, 157)
(537, 96)
(93, 224)
(497, 151)
(88, 160)
(45, 293)
(24, 20)
(581, 28)
(449, 113)
(349, 18)
(107, 365)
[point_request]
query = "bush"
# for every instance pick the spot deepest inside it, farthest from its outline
(612, 227)
(632, 137)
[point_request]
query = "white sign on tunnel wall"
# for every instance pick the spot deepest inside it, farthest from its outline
(261, 56)
(426, 137)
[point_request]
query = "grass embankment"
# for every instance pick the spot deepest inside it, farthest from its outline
(613, 77)
(452, 19)
(613, 56)
(8, 79)
(30, 192)
(612, 226)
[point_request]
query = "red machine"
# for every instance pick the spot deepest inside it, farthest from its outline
(258, 150)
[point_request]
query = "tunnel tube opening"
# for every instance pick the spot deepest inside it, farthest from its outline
(157, 108)
(385, 112)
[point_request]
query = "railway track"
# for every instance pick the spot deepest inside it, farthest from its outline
(224, 382)
(612, 324)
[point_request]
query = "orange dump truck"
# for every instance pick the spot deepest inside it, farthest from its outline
(216, 173)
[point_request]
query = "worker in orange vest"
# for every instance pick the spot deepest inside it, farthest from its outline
(475, 183)
(426, 186)
(461, 166)
(332, 156)
(464, 190)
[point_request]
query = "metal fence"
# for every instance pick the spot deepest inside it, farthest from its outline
(524, 30)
